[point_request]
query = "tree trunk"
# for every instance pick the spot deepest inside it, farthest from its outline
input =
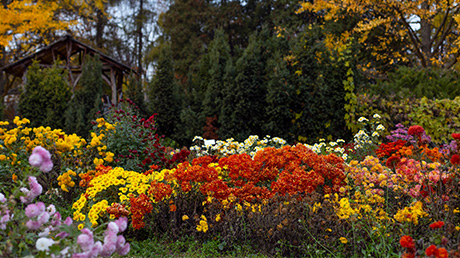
(140, 23)
(101, 20)
(2, 62)
(425, 35)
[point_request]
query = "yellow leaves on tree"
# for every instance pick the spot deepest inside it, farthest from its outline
(22, 20)
(427, 29)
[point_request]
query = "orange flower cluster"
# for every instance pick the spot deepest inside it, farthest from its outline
(159, 190)
(139, 207)
(117, 210)
(388, 149)
(88, 176)
(288, 170)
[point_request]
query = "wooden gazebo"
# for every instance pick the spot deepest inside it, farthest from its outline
(72, 52)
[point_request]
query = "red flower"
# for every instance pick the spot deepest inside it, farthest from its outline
(407, 255)
(415, 130)
(431, 250)
(442, 253)
(393, 161)
(456, 136)
(437, 224)
(455, 159)
(407, 242)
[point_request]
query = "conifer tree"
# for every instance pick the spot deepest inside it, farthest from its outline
(135, 92)
(247, 98)
(45, 96)
(86, 101)
(162, 94)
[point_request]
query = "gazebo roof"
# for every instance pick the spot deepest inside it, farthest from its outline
(59, 50)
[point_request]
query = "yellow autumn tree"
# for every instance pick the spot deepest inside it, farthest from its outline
(427, 31)
(23, 20)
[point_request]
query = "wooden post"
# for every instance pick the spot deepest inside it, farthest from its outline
(113, 86)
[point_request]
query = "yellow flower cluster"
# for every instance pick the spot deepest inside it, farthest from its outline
(65, 180)
(106, 187)
(203, 225)
(96, 211)
(411, 213)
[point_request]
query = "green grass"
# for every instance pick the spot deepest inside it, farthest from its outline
(188, 247)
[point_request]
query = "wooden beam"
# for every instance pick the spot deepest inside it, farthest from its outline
(113, 85)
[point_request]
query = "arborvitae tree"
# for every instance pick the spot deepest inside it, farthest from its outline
(135, 92)
(86, 101)
(218, 57)
(162, 95)
(45, 97)
(279, 98)
(248, 94)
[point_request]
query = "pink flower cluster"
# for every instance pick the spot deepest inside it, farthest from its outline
(41, 158)
(113, 243)
(4, 213)
(35, 190)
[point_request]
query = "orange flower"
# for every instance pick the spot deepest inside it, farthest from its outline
(442, 253)
(172, 207)
(15, 177)
(407, 255)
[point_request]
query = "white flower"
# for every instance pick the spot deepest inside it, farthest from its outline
(380, 128)
(375, 134)
(332, 144)
(340, 140)
(362, 119)
(197, 138)
(44, 243)
(2, 198)
(376, 116)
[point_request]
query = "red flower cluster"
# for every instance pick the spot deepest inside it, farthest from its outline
(432, 250)
(456, 136)
(117, 210)
(388, 149)
(288, 170)
(159, 190)
(407, 242)
(437, 224)
(139, 207)
(393, 161)
(415, 130)
(455, 159)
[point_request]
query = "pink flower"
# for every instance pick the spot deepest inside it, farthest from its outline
(122, 223)
(108, 249)
(85, 241)
(120, 243)
(2, 198)
(97, 248)
(41, 158)
(125, 250)
(68, 221)
(32, 211)
(112, 227)
(62, 234)
(56, 222)
(35, 190)
(44, 217)
(110, 238)
(33, 225)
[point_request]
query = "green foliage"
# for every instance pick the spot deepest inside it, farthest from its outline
(247, 96)
(416, 82)
(86, 101)
(163, 94)
(45, 96)
(135, 92)
(320, 91)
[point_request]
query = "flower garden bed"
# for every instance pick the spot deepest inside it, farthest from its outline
(394, 196)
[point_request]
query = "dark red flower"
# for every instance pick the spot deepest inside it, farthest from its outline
(407, 242)
(455, 159)
(415, 130)
(437, 224)
(456, 136)
(393, 161)
(431, 250)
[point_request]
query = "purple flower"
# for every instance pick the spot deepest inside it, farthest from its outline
(96, 250)
(33, 225)
(85, 241)
(5, 218)
(56, 222)
(68, 221)
(112, 227)
(120, 243)
(125, 250)
(108, 249)
(122, 223)
(62, 234)
(44, 217)
(35, 160)
(32, 210)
